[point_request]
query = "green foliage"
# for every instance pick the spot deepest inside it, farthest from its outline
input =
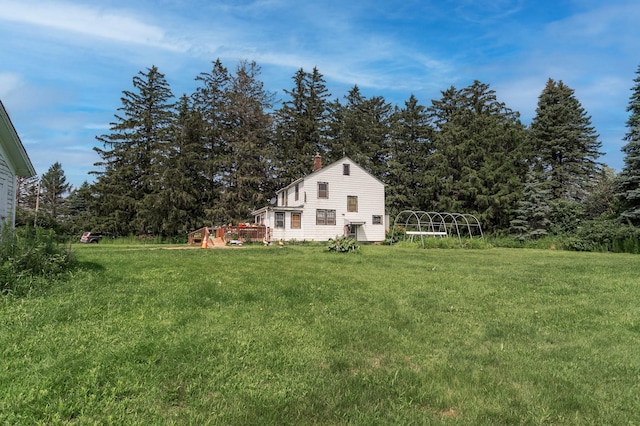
(410, 145)
(343, 245)
(359, 128)
(29, 258)
(605, 236)
(394, 235)
(301, 126)
(565, 144)
(132, 156)
(54, 186)
(531, 219)
(548, 242)
(565, 216)
(478, 161)
(601, 199)
(628, 182)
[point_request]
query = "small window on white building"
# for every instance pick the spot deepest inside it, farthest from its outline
(279, 220)
(325, 217)
(346, 169)
(352, 203)
(323, 189)
(376, 220)
(296, 220)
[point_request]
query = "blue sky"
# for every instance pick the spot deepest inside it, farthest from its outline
(64, 64)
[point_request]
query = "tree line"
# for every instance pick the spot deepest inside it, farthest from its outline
(170, 165)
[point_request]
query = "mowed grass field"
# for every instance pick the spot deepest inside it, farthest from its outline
(298, 335)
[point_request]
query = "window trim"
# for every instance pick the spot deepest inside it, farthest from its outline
(378, 221)
(275, 220)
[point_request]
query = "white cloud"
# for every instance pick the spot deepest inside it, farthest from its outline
(9, 82)
(91, 21)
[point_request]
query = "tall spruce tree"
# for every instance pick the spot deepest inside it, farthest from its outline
(81, 207)
(178, 206)
(531, 218)
(410, 146)
(138, 141)
(248, 161)
(628, 184)
(478, 164)
(53, 187)
(360, 129)
(565, 143)
(211, 103)
(301, 125)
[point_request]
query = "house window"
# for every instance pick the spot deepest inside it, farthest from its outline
(325, 217)
(376, 220)
(352, 203)
(346, 169)
(323, 190)
(297, 192)
(296, 220)
(279, 219)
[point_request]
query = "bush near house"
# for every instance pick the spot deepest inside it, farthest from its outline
(343, 245)
(30, 258)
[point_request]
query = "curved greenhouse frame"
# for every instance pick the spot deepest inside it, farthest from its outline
(436, 224)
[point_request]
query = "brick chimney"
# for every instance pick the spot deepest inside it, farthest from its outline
(317, 162)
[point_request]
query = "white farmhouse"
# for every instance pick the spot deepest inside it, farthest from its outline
(14, 162)
(339, 199)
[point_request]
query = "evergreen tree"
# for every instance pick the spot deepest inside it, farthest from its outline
(210, 102)
(301, 126)
(601, 199)
(410, 147)
(248, 162)
(531, 218)
(26, 193)
(565, 144)
(360, 129)
(53, 186)
(478, 164)
(26, 189)
(628, 184)
(179, 205)
(81, 208)
(137, 143)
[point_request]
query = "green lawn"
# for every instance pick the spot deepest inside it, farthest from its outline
(298, 335)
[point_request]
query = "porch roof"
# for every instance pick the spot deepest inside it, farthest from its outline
(278, 209)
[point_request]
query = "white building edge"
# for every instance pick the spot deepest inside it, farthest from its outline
(14, 162)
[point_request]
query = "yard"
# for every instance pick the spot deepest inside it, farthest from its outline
(297, 335)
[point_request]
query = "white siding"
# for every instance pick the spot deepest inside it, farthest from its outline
(7, 197)
(370, 193)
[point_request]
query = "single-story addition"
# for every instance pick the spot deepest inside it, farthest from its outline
(339, 199)
(14, 162)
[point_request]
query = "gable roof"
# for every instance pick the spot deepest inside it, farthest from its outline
(12, 146)
(324, 168)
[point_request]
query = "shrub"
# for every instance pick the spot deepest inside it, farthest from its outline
(394, 235)
(343, 245)
(29, 256)
(605, 235)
